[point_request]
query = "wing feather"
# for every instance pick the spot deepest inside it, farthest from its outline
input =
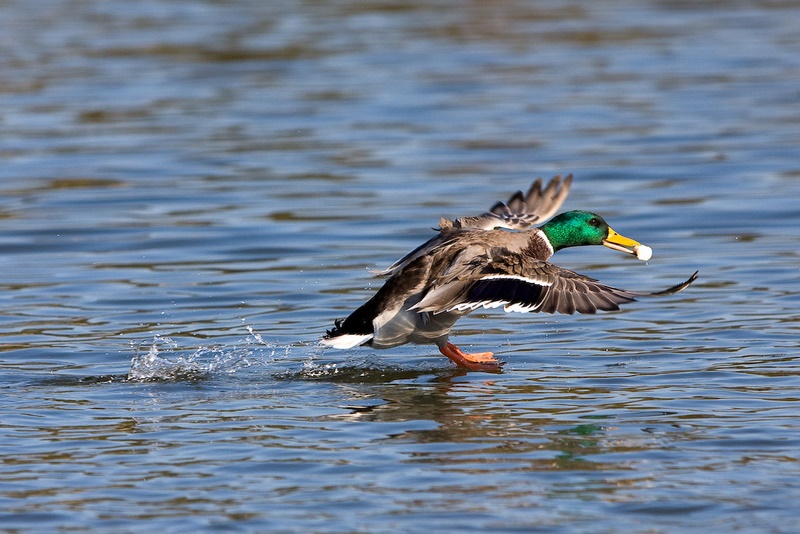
(523, 211)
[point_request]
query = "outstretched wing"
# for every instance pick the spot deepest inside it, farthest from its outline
(522, 284)
(523, 211)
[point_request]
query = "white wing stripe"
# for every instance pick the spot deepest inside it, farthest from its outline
(475, 305)
(522, 308)
(518, 277)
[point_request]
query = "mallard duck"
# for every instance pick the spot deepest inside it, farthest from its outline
(496, 259)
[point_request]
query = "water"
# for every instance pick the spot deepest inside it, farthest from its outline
(193, 191)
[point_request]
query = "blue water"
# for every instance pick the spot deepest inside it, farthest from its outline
(193, 191)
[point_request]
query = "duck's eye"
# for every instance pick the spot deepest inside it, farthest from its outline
(594, 221)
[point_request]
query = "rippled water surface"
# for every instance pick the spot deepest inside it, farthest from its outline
(192, 191)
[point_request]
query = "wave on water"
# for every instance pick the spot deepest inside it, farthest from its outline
(162, 359)
(363, 370)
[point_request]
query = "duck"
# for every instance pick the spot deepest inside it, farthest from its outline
(499, 258)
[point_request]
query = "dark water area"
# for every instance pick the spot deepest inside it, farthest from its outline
(191, 193)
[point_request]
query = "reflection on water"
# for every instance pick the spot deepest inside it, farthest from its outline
(192, 192)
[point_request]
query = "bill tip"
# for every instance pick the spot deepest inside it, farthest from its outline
(643, 252)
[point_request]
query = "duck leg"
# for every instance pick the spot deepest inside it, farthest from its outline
(479, 361)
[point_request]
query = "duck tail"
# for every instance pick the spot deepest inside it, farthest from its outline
(356, 330)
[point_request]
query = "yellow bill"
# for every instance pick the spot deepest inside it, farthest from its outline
(627, 245)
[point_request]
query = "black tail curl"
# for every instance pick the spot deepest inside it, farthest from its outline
(336, 330)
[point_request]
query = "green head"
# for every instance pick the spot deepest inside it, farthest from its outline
(579, 228)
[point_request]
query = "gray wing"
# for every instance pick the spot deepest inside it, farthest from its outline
(522, 211)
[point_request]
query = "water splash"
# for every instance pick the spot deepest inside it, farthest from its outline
(311, 369)
(161, 359)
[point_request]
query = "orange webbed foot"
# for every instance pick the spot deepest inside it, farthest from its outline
(478, 361)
